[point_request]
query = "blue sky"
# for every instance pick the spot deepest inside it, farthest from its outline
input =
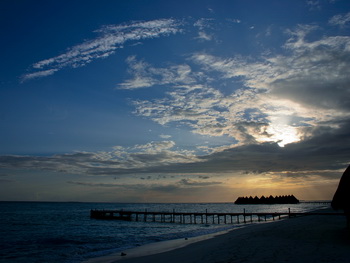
(173, 101)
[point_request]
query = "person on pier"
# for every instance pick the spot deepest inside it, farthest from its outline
(341, 199)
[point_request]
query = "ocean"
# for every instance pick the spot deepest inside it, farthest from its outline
(64, 232)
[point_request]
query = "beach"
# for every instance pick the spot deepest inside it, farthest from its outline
(301, 239)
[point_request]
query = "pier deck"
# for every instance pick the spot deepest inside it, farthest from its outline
(196, 217)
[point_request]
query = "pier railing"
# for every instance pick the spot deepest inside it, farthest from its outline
(197, 217)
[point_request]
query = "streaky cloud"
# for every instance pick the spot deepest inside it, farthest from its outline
(111, 38)
(340, 20)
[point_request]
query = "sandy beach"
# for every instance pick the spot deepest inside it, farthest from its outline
(300, 239)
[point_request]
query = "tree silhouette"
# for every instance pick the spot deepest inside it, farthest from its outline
(285, 199)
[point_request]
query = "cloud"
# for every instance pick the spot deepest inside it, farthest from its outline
(89, 184)
(141, 189)
(192, 183)
(204, 36)
(312, 163)
(110, 38)
(314, 74)
(144, 188)
(297, 99)
(326, 149)
(283, 98)
(39, 74)
(313, 4)
(4, 178)
(122, 160)
(187, 103)
(310, 83)
(340, 20)
(144, 75)
(204, 24)
(208, 111)
(164, 136)
(235, 21)
(318, 75)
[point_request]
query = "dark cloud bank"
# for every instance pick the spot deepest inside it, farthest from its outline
(327, 149)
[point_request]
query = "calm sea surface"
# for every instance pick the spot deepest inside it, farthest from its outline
(64, 232)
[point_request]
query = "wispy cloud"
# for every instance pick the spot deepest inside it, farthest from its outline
(145, 75)
(236, 21)
(314, 4)
(340, 20)
(110, 38)
(203, 25)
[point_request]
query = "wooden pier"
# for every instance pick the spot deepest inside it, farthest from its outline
(196, 217)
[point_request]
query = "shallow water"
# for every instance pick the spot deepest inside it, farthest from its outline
(64, 232)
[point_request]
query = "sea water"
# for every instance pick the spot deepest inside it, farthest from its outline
(64, 232)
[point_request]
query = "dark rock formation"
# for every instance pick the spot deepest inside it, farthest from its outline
(341, 199)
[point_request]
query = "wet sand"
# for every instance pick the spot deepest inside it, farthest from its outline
(301, 239)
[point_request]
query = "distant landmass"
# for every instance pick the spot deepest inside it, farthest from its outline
(284, 199)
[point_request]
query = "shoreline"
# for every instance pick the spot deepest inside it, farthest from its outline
(300, 239)
(157, 247)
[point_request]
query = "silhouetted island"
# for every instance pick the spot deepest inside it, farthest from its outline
(284, 199)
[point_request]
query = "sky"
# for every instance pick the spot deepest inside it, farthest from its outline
(173, 101)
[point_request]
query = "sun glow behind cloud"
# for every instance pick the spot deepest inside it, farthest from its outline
(283, 134)
(280, 132)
